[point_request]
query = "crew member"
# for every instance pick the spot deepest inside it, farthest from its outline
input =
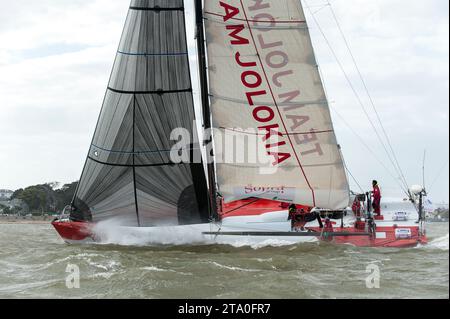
(356, 208)
(376, 201)
(300, 218)
(328, 225)
(328, 230)
(292, 215)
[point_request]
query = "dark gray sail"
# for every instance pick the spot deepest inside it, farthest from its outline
(129, 174)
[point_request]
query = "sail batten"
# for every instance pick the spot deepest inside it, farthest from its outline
(129, 174)
(156, 92)
(264, 81)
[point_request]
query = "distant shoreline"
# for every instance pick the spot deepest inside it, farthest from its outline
(24, 222)
(11, 220)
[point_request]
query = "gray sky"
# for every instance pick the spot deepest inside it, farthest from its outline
(56, 57)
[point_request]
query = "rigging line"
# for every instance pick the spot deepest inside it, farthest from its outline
(353, 177)
(257, 21)
(360, 139)
(423, 169)
(438, 175)
(244, 205)
(369, 149)
(321, 8)
(340, 149)
(284, 133)
(247, 204)
(367, 90)
(355, 93)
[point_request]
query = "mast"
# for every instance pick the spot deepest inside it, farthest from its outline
(201, 50)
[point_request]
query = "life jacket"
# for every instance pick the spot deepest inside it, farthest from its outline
(356, 208)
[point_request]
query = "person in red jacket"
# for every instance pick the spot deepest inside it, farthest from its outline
(376, 201)
(297, 217)
(356, 208)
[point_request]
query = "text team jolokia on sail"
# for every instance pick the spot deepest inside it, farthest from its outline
(264, 81)
(129, 174)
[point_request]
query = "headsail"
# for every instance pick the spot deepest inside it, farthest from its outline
(266, 92)
(129, 173)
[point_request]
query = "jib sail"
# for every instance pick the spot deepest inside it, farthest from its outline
(129, 174)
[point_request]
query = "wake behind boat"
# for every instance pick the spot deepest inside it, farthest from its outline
(269, 138)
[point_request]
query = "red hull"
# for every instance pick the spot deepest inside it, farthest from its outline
(390, 239)
(251, 207)
(74, 231)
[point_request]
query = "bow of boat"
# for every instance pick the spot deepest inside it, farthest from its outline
(74, 232)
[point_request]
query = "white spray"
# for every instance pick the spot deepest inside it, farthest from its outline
(111, 232)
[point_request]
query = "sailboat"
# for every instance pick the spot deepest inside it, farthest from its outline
(260, 89)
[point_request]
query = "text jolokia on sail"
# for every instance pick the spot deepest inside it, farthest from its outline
(129, 174)
(264, 82)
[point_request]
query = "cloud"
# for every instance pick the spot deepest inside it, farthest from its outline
(55, 59)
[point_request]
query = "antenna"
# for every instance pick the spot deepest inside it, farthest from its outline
(423, 170)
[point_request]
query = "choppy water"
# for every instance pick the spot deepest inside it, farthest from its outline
(34, 260)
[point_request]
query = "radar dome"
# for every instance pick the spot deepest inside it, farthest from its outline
(416, 189)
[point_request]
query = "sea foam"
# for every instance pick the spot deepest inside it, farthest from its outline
(110, 232)
(440, 243)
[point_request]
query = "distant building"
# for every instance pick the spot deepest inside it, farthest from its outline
(5, 194)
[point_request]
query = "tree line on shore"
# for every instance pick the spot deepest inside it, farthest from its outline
(44, 198)
(50, 198)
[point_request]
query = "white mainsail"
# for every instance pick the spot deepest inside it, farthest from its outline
(266, 94)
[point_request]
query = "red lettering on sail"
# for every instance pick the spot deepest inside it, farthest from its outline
(297, 120)
(276, 77)
(230, 11)
(238, 40)
(251, 79)
(263, 114)
(279, 157)
(316, 150)
(250, 96)
(244, 64)
(306, 138)
(259, 5)
(276, 144)
(271, 130)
